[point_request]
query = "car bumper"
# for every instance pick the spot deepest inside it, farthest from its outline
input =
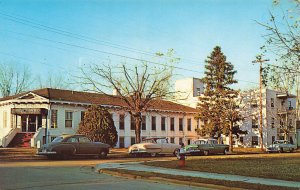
(46, 153)
(272, 150)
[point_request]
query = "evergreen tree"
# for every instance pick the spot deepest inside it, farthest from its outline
(99, 126)
(216, 102)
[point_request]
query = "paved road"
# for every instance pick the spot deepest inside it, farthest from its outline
(69, 175)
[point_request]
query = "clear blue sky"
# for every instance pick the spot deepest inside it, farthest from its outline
(191, 27)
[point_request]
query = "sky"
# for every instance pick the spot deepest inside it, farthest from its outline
(58, 36)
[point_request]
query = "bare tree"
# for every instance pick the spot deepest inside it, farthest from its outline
(137, 86)
(13, 79)
(53, 81)
(283, 40)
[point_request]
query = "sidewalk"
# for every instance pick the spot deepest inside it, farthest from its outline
(137, 166)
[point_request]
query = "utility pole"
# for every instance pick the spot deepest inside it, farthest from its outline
(260, 61)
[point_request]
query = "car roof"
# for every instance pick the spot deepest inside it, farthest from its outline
(68, 135)
(154, 138)
(205, 139)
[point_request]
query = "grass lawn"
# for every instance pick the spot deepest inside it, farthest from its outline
(275, 166)
(204, 182)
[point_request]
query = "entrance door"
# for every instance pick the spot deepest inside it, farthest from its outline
(30, 123)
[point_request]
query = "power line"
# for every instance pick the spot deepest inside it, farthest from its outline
(100, 51)
(27, 22)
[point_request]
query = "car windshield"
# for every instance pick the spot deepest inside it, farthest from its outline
(58, 139)
(162, 140)
(148, 141)
(200, 142)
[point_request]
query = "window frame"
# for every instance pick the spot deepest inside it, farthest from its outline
(68, 119)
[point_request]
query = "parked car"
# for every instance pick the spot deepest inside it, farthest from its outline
(281, 146)
(153, 147)
(206, 147)
(66, 146)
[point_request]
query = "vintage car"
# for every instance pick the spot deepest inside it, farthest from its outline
(281, 146)
(66, 146)
(153, 147)
(206, 147)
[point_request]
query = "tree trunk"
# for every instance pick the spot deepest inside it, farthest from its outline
(138, 123)
(230, 138)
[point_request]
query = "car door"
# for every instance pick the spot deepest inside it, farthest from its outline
(166, 147)
(86, 146)
(72, 145)
(211, 147)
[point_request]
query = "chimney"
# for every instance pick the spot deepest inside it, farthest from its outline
(115, 92)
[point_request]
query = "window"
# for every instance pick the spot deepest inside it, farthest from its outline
(72, 140)
(198, 91)
(198, 123)
(121, 142)
(273, 139)
(172, 124)
(242, 140)
(143, 122)
(189, 141)
(68, 119)
(254, 123)
(4, 119)
(121, 121)
(254, 140)
(132, 123)
(180, 140)
(189, 124)
(52, 138)
(82, 115)
(272, 102)
(132, 140)
(290, 105)
(180, 124)
(84, 140)
(153, 122)
(163, 123)
(273, 122)
(53, 118)
(172, 140)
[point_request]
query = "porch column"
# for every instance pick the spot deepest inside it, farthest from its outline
(27, 123)
(36, 123)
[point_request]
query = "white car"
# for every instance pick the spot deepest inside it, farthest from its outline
(281, 146)
(153, 147)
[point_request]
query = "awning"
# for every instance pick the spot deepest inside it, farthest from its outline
(29, 111)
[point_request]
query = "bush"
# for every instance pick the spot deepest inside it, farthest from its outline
(98, 125)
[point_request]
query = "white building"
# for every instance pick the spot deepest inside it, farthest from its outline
(279, 117)
(188, 91)
(46, 113)
(278, 113)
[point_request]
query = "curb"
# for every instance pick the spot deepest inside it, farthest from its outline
(166, 180)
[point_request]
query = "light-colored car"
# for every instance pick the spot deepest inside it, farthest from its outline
(281, 146)
(153, 147)
(66, 146)
(206, 147)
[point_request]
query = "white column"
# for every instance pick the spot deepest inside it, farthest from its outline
(27, 123)
(36, 123)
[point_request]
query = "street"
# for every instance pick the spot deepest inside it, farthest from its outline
(73, 174)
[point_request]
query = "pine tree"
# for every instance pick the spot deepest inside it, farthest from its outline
(99, 126)
(214, 104)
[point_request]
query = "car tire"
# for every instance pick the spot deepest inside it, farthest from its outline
(281, 150)
(205, 152)
(292, 150)
(103, 154)
(226, 151)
